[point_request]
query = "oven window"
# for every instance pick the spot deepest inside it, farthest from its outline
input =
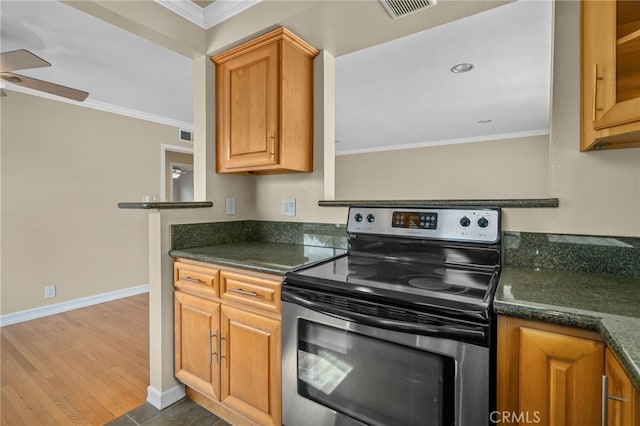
(372, 380)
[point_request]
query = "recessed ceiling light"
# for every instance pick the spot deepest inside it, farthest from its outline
(460, 68)
(484, 121)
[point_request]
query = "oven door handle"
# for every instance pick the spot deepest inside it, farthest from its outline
(472, 334)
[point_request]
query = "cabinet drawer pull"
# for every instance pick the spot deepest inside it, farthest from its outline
(191, 280)
(241, 291)
(595, 93)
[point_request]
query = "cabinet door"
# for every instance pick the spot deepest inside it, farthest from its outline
(197, 323)
(560, 378)
(247, 109)
(610, 73)
(622, 397)
(251, 365)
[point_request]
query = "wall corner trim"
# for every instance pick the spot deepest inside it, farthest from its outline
(162, 400)
(58, 308)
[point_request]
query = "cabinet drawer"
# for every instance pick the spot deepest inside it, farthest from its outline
(196, 279)
(258, 292)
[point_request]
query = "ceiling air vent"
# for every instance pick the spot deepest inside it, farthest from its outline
(398, 8)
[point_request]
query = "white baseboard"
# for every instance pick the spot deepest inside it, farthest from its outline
(58, 308)
(164, 399)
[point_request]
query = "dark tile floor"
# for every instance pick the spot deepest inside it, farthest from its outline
(183, 413)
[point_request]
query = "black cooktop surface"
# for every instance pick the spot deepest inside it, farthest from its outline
(417, 285)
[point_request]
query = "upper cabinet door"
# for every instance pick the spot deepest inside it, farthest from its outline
(610, 113)
(248, 89)
(264, 106)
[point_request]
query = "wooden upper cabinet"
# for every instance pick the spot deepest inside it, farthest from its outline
(264, 106)
(610, 74)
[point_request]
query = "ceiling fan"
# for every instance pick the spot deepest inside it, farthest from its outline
(23, 59)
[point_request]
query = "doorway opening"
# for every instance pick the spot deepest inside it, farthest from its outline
(177, 173)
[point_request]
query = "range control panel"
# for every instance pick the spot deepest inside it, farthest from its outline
(455, 224)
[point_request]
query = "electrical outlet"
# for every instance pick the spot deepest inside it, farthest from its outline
(49, 291)
(288, 207)
(230, 205)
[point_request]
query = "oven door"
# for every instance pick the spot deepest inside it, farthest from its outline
(338, 372)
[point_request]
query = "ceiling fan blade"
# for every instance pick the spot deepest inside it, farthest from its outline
(3, 93)
(45, 86)
(20, 60)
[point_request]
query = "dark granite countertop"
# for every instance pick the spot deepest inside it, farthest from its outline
(609, 304)
(147, 205)
(269, 257)
(509, 202)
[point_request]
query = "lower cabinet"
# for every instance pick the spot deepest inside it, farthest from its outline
(623, 399)
(227, 352)
(556, 375)
(197, 322)
(251, 373)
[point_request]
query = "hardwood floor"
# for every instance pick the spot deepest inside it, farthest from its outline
(83, 367)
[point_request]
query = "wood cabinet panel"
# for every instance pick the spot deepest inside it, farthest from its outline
(197, 321)
(249, 290)
(560, 377)
(227, 343)
(264, 105)
(610, 74)
(623, 399)
(554, 374)
(250, 380)
(249, 105)
(196, 279)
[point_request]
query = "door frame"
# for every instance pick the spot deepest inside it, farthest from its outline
(163, 159)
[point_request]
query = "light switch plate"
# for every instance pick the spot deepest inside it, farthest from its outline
(230, 205)
(288, 207)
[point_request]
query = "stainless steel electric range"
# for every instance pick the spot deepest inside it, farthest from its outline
(399, 330)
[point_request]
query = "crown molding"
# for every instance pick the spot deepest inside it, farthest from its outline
(221, 10)
(217, 12)
(103, 106)
(484, 138)
(187, 9)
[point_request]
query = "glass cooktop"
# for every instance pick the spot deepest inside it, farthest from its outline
(413, 283)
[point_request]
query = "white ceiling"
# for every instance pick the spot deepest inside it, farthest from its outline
(395, 94)
(402, 93)
(120, 70)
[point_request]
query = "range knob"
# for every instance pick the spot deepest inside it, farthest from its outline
(465, 221)
(370, 218)
(483, 222)
(358, 217)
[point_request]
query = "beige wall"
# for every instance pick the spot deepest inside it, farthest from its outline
(64, 169)
(510, 168)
